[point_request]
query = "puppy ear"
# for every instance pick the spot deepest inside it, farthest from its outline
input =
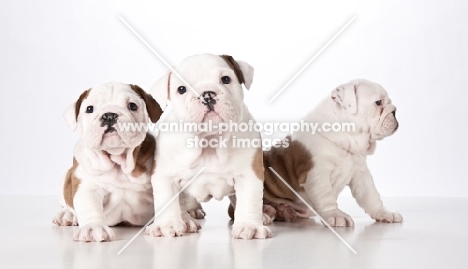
(70, 117)
(345, 96)
(153, 108)
(248, 72)
(73, 110)
(160, 90)
(243, 70)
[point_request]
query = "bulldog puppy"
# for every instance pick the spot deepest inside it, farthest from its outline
(228, 169)
(318, 166)
(109, 182)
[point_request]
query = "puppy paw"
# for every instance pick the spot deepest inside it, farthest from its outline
(167, 228)
(250, 231)
(93, 233)
(337, 218)
(197, 213)
(388, 217)
(192, 224)
(286, 213)
(269, 214)
(65, 218)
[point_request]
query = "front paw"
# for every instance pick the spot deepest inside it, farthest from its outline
(286, 213)
(197, 213)
(167, 228)
(388, 217)
(250, 231)
(93, 233)
(192, 224)
(269, 214)
(65, 218)
(337, 218)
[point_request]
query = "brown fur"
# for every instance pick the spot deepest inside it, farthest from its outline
(142, 154)
(292, 164)
(83, 96)
(235, 66)
(231, 211)
(153, 108)
(71, 184)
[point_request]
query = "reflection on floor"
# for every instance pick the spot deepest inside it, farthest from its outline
(433, 235)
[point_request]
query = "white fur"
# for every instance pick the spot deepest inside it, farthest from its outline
(228, 170)
(108, 194)
(339, 159)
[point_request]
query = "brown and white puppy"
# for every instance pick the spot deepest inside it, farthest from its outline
(109, 182)
(229, 169)
(318, 166)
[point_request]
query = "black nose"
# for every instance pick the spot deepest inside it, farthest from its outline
(208, 99)
(109, 119)
(394, 113)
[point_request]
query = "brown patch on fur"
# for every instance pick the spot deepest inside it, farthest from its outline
(71, 184)
(153, 108)
(234, 66)
(142, 154)
(78, 103)
(292, 164)
(231, 211)
(257, 164)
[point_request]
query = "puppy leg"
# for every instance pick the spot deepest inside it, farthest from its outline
(192, 224)
(248, 215)
(269, 212)
(323, 198)
(168, 215)
(193, 207)
(367, 196)
(88, 205)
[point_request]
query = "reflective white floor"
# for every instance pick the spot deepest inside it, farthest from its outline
(433, 235)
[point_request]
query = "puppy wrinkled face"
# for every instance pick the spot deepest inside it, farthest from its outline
(218, 96)
(375, 106)
(104, 113)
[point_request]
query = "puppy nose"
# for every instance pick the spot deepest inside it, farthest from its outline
(208, 98)
(109, 118)
(208, 95)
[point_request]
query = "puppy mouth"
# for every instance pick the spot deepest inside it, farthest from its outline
(212, 115)
(110, 129)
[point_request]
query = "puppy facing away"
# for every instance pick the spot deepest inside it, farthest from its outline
(210, 91)
(318, 166)
(109, 182)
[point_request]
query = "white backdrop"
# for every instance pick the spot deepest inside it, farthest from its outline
(417, 50)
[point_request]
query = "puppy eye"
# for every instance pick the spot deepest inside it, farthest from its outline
(181, 89)
(89, 109)
(226, 80)
(132, 106)
(378, 103)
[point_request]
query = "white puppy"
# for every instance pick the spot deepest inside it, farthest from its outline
(319, 166)
(109, 182)
(228, 169)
